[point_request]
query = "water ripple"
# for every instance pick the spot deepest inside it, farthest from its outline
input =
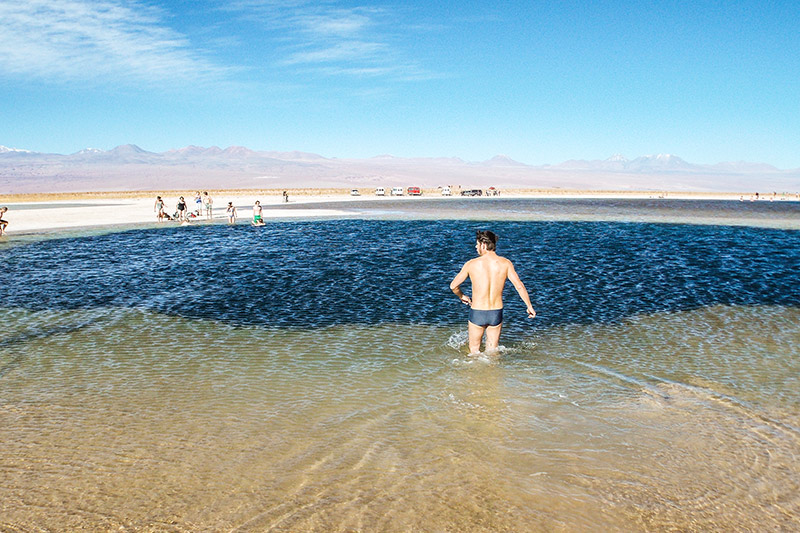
(314, 376)
(316, 274)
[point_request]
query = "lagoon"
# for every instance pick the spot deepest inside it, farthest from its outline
(313, 375)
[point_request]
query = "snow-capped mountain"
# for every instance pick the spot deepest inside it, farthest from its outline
(7, 150)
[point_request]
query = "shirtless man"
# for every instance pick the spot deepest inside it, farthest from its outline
(258, 220)
(488, 273)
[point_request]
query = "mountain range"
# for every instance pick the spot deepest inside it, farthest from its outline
(129, 167)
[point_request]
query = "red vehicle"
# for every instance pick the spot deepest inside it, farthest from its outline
(414, 191)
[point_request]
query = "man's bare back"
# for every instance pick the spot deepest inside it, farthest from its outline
(488, 273)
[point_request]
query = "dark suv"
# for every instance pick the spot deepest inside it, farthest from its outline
(472, 192)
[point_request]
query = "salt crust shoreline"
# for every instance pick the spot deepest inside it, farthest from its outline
(32, 214)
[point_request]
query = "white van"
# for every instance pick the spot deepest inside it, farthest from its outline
(397, 191)
(446, 191)
(380, 191)
(354, 192)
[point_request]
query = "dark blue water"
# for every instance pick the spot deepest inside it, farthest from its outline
(313, 274)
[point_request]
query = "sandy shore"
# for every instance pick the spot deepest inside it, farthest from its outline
(46, 212)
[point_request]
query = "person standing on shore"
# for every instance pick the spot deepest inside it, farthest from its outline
(181, 209)
(231, 213)
(3, 223)
(257, 219)
(209, 202)
(488, 273)
(159, 208)
(198, 204)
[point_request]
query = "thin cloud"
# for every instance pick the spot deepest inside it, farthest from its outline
(337, 24)
(334, 40)
(348, 51)
(69, 40)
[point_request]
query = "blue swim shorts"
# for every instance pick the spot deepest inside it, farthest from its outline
(492, 317)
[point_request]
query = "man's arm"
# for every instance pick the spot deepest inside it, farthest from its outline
(513, 277)
(455, 285)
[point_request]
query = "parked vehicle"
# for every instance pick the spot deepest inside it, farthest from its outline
(414, 191)
(380, 191)
(472, 192)
(446, 191)
(354, 192)
(397, 191)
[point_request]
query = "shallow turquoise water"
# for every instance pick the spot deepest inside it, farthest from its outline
(314, 376)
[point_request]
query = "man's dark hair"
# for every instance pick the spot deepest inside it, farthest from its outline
(488, 238)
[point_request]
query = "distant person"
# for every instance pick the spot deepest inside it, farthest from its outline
(209, 203)
(285, 197)
(257, 219)
(231, 213)
(3, 223)
(488, 273)
(181, 209)
(198, 204)
(158, 207)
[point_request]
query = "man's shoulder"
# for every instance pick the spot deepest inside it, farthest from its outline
(471, 262)
(504, 263)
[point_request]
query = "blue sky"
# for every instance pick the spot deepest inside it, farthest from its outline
(541, 82)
